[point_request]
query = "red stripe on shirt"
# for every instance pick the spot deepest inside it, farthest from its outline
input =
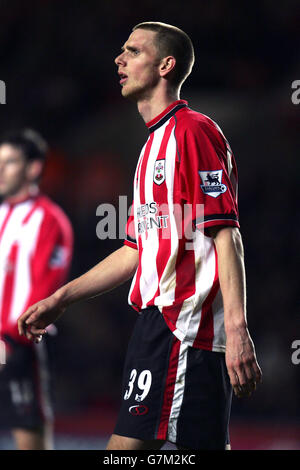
(185, 261)
(5, 221)
(136, 294)
(144, 168)
(185, 281)
(8, 285)
(30, 212)
(160, 194)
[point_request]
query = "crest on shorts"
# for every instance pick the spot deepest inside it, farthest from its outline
(138, 410)
(159, 172)
(212, 183)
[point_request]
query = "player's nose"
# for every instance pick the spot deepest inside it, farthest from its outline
(119, 60)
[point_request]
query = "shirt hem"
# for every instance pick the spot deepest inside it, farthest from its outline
(212, 223)
(131, 244)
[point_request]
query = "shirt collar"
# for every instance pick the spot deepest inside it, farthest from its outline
(166, 115)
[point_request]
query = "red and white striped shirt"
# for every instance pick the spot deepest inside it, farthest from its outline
(185, 182)
(36, 243)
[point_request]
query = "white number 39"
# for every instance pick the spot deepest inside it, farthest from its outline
(144, 382)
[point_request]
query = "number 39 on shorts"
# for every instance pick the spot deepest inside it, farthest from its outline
(141, 381)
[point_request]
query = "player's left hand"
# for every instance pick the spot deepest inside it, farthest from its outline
(38, 317)
(242, 365)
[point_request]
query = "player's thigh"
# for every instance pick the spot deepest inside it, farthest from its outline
(25, 401)
(144, 379)
(117, 442)
(203, 420)
(34, 439)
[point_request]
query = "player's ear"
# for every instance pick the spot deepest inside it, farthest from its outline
(34, 170)
(167, 64)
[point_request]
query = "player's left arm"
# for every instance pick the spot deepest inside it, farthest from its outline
(242, 365)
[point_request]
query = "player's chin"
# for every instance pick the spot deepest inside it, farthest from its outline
(7, 190)
(126, 92)
(130, 93)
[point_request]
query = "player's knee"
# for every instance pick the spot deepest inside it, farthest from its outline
(121, 443)
(117, 442)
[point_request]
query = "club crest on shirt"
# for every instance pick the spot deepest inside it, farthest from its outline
(212, 183)
(159, 172)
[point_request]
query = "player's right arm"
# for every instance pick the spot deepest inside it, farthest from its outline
(105, 276)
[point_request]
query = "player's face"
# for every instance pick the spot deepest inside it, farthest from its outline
(138, 65)
(13, 170)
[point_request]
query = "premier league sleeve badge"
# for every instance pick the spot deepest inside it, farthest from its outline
(212, 183)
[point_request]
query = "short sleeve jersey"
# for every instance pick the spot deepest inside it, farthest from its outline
(36, 243)
(185, 182)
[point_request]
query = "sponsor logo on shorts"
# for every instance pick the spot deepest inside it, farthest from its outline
(138, 410)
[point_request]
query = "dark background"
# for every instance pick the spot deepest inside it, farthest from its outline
(57, 60)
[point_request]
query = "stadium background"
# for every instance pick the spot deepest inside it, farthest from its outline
(57, 62)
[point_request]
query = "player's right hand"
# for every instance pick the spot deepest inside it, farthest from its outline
(34, 321)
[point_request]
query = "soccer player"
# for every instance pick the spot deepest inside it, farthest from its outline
(191, 345)
(36, 242)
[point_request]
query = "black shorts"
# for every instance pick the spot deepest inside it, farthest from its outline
(172, 391)
(24, 387)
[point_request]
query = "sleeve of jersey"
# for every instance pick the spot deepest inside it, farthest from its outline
(130, 238)
(203, 178)
(51, 260)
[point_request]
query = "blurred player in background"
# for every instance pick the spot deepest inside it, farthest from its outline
(191, 344)
(36, 241)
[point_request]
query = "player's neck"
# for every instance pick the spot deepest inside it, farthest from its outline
(151, 107)
(23, 194)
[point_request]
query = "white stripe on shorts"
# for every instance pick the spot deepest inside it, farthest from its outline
(178, 393)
